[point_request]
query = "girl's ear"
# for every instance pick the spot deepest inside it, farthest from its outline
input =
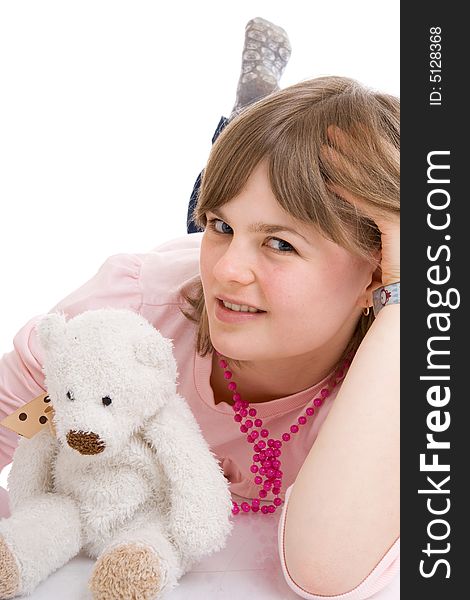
(375, 283)
(51, 330)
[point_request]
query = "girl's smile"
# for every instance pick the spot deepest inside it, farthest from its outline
(229, 315)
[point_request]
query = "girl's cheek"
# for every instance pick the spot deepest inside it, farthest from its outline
(281, 290)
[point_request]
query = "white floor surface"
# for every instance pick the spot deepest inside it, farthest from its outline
(248, 567)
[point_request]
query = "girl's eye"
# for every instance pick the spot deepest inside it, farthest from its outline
(284, 247)
(276, 244)
(212, 224)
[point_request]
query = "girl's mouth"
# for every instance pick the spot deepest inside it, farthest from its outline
(234, 314)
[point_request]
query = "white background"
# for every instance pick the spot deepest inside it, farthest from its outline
(107, 110)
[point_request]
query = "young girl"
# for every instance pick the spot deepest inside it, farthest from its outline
(285, 320)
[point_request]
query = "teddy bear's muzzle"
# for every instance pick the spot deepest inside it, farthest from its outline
(85, 443)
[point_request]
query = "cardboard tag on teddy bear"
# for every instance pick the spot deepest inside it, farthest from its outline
(32, 417)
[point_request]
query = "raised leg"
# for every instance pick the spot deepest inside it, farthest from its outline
(39, 537)
(266, 52)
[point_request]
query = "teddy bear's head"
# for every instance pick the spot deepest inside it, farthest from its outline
(107, 372)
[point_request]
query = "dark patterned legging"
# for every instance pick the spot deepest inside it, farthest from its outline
(191, 226)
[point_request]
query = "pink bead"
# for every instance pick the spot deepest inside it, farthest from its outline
(277, 501)
(245, 404)
(267, 464)
(223, 363)
(249, 423)
(243, 428)
(227, 374)
(325, 393)
(258, 422)
(237, 418)
(243, 412)
(310, 411)
(286, 437)
(271, 442)
(264, 433)
(262, 444)
(279, 473)
(277, 482)
(267, 485)
(294, 428)
(276, 490)
(262, 471)
(263, 494)
(232, 386)
(236, 398)
(276, 453)
(275, 464)
(271, 508)
(318, 401)
(255, 502)
(254, 435)
(302, 420)
(258, 480)
(256, 447)
(245, 507)
(254, 468)
(256, 458)
(270, 473)
(249, 439)
(252, 412)
(264, 509)
(262, 455)
(269, 452)
(278, 444)
(235, 510)
(254, 508)
(237, 406)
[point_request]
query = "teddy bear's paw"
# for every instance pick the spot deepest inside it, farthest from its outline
(127, 572)
(9, 574)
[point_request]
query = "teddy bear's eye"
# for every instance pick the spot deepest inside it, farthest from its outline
(70, 395)
(106, 400)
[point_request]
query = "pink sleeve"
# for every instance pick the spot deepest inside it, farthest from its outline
(381, 575)
(115, 285)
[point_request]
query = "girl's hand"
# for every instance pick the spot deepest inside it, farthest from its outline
(388, 222)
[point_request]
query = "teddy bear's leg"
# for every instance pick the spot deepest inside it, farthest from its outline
(139, 564)
(40, 536)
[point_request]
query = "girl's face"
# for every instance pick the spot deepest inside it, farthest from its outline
(311, 290)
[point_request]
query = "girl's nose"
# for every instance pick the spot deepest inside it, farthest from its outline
(235, 265)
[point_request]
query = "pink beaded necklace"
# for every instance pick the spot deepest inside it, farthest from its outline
(268, 453)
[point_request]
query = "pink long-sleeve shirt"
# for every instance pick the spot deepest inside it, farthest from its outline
(151, 284)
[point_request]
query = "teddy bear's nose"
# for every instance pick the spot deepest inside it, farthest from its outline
(85, 443)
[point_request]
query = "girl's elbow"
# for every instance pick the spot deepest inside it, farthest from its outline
(328, 575)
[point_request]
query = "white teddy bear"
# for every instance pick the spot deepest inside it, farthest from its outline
(129, 478)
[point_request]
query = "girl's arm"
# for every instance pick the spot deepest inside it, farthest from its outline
(343, 512)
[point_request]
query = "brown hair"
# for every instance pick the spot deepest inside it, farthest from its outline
(291, 129)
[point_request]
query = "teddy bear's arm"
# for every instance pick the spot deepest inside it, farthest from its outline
(31, 471)
(200, 497)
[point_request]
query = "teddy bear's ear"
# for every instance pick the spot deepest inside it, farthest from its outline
(51, 330)
(154, 350)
